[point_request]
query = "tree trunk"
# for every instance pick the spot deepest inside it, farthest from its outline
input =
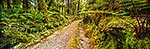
(25, 4)
(8, 3)
(63, 8)
(1, 5)
(148, 1)
(78, 7)
(68, 7)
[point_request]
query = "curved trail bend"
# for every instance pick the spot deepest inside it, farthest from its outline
(60, 39)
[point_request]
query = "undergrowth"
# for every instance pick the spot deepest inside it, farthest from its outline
(113, 33)
(27, 28)
(118, 25)
(74, 41)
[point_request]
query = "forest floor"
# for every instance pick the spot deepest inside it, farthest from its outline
(62, 39)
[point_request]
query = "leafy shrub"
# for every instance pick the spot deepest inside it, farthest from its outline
(19, 27)
(113, 33)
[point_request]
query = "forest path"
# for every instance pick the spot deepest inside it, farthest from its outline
(60, 39)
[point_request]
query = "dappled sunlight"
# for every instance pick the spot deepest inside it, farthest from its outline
(74, 24)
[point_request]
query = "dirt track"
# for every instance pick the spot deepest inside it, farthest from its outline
(60, 39)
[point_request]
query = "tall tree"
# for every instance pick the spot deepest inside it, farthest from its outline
(68, 7)
(25, 4)
(1, 5)
(148, 1)
(78, 6)
(8, 3)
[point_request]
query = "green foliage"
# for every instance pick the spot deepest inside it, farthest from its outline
(110, 24)
(114, 34)
(19, 27)
(74, 41)
(113, 28)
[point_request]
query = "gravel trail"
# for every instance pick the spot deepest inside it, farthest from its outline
(60, 39)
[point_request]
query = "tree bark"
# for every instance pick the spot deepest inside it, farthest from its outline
(78, 6)
(63, 7)
(8, 3)
(25, 4)
(148, 1)
(68, 7)
(1, 4)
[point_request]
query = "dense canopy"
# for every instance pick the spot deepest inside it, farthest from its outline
(108, 24)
